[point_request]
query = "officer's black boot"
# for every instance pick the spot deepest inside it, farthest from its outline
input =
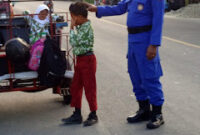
(143, 114)
(156, 118)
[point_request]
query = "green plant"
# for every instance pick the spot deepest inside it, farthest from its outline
(89, 1)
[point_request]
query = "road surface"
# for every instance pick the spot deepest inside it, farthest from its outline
(40, 113)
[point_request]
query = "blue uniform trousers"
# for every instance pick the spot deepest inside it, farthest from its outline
(144, 73)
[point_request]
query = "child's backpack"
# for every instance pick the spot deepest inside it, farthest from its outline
(36, 54)
(52, 65)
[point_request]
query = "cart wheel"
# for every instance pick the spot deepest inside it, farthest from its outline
(67, 99)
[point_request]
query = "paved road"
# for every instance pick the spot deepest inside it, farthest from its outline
(40, 113)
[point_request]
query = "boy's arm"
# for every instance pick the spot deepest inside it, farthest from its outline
(73, 38)
(84, 37)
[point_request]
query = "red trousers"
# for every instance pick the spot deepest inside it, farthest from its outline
(84, 77)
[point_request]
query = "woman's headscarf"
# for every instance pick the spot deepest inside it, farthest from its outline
(39, 9)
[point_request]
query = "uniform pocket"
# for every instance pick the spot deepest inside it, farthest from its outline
(152, 69)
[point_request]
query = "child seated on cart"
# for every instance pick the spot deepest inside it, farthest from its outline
(38, 23)
(39, 29)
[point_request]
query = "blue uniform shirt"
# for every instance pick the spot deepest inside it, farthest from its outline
(140, 13)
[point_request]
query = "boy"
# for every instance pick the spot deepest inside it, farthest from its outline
(82, 41)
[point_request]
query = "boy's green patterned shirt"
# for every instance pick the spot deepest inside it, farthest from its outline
(83, 39)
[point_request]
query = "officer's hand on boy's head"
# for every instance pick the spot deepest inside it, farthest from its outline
(151, 52)
(92, 8)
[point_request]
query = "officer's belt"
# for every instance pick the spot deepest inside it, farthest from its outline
(140, 29)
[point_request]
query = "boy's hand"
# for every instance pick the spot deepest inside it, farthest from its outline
(151, 52)
(73, 23)
(92, 8)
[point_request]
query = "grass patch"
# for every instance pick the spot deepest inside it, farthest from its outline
(89, 1)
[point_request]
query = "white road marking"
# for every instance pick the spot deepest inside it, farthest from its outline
(164, 37)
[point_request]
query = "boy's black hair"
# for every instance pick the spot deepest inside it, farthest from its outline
(79, 8)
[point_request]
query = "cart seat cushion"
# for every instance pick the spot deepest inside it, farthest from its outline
(31, 75)
(4, 68)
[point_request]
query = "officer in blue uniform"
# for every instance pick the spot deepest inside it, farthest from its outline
(144, 24)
